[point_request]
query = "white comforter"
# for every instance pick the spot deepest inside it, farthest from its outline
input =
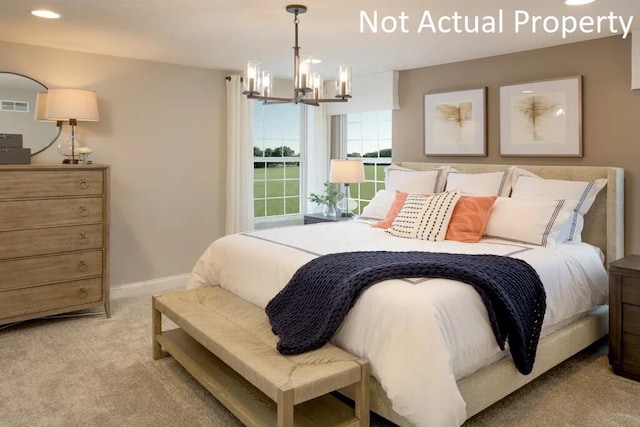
(420, 336)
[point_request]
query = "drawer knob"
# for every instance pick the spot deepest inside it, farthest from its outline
(84, 211)
(83, 238)
(83, 183)
(82, 266)
(82, 292)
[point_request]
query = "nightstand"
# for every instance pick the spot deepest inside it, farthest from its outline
(315, 218)
(624, 316)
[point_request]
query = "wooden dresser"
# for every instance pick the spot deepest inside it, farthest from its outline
(624, 316)
(54, 239)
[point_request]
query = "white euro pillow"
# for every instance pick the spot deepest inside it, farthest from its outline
(480, 184)
(581, 193)
(415, 181)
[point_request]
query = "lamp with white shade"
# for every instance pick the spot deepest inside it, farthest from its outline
(41, 109)
(346, 171)
(73, 105)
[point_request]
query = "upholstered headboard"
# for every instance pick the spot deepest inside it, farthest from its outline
(603, 225)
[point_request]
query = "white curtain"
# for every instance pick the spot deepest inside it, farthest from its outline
(318, 152)
(239, 207)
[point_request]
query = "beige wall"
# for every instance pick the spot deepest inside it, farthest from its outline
(162, 129)
(611, 110)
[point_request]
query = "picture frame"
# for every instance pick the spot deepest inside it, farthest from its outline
(455, 123)
(542, 118)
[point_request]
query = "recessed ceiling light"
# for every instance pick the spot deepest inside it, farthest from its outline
(577, 2)
(48, 14)
(527, 91)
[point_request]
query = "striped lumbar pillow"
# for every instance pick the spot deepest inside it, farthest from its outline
(425, 217)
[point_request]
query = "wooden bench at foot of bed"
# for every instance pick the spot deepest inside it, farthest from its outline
(226, 343)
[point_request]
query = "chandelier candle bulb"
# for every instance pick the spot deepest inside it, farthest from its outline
(305, 72)
(266, 83)
(251, 77)
(317, 85)
(343, 88)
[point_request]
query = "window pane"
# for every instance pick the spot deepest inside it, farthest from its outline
(275, 207)
(259, 170)
(370, 131)
(384, 129)
(354, 131)
(354, 191)
(292, 187)
(367, 190)
(259, 190)
(291, 130)
(292, 205)
(275, 188)
(273, 130)
(292, 170)
(289, 149)
(369, 172)
(258, 208)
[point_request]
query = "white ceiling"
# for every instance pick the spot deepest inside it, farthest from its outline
(223, 34)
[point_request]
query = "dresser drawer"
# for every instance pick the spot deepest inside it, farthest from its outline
(48, 269)
(44, 241)
(631, 289)
(40, 299)
(631, 318)
(34, 184)
(43, 213)
(630, 349)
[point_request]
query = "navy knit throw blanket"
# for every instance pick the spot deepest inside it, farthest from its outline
(308, 311)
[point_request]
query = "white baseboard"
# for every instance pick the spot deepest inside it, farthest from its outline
(149, 287)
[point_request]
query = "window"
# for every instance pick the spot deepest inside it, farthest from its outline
(278, 162)
(368, 135)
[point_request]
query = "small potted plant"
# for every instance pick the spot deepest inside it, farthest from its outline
(329, 199)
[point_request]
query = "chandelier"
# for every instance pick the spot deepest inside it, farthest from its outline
(308, 87)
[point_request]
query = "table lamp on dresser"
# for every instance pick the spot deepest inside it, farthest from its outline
(346, 171)
(73, 105)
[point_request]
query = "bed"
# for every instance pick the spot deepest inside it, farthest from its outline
(433, 384)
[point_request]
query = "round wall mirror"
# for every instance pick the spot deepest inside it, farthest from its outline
(18, 95)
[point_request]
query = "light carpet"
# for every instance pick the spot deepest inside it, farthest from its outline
(95, 371)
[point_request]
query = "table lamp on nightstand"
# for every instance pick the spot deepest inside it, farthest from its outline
(346, 171)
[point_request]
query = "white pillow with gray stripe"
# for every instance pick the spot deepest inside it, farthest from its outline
(480, 184)
(539, 222)
(415, 181)
(582, 193)
(425, 217)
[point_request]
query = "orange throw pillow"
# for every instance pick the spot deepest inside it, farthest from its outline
(393, 211)
(470, 217)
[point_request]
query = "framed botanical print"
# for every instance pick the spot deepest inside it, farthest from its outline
(455, 123)
(542, 118)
